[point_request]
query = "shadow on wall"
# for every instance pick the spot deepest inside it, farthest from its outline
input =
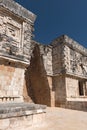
(36, 80)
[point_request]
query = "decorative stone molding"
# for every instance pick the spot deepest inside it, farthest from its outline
(69, 57)
(18, 10)
(16, 26)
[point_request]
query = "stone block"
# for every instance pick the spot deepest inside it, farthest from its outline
(4, 124)
(13, 116)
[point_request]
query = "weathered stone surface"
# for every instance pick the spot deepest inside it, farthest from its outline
(69, 62)
(16, 48)
(17, 9)
(16, 26)
(46, 53)
(15, 31)
(11, 82)
(54, 74)
(51, 69)
(20, 109)
(69, 57)
(20, 114)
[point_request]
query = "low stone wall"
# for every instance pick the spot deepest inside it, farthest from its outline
(75, 105)
(18, 115)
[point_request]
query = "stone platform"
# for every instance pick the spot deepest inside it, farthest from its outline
(14, 115)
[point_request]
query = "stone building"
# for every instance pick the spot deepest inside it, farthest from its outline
(16, 27)
(69, 73)
(58, 74)
(53, 75)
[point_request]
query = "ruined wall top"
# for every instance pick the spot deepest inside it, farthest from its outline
(69, 57)
(18, 10)
(71, 43)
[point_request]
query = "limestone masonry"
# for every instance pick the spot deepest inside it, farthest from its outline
(16, 26)
(32, 73)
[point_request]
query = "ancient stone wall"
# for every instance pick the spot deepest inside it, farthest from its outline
(16, 47)
(69, 62)
(72, 89)
(18, 10)
(75, 59)
(11, 82)
(16, 27)
(57, 58)
(46, 74)
(36, 75)
(46, 53)
(60, 90)
(55, 72)
(69, 57)
(15, 36)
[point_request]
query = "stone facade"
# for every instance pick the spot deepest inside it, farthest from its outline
(10, 88)
(53, 75)
(32, 73)
(69, 73)
(16, 48)
(40, 78)
(58, 74)
(16, 26)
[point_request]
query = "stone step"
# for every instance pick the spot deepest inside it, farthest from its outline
(14, 115)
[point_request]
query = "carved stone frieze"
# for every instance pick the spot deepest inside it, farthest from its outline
(69, 57)
(15, 36)
(76, 63)
(8, 45)
(11, 28)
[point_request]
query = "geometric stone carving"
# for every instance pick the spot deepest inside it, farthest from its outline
(71, 56)
(11, 28)
(16, 26)
(13, 32)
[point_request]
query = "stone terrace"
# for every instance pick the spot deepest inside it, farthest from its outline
(14, 115)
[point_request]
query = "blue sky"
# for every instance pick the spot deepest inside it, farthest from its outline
(58, 17)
